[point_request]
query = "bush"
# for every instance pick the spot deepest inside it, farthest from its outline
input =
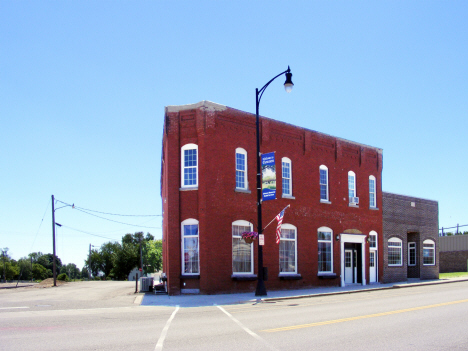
(63, 277)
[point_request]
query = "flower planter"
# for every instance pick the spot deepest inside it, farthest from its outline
(249, 240)
(249, 237)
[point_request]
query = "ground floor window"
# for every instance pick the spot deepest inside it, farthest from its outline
(411, 254)
(394, 252)
(288, 249)
(428, 253)
(190, 248)
(325, 250)
(242, 253)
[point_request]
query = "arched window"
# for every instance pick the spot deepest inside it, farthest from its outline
(428, 252)
(241, 169)
(242, 253)
(325, 250)
(395, 254)
(190, 247)
(189, 166)
(288, 249)
(372, 192)
(286, 167)
(352, 187)
(373, 240)
(324, 183)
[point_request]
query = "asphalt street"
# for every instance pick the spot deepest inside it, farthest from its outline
(108, 316)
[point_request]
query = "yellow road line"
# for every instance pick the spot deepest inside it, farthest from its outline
(361, 317)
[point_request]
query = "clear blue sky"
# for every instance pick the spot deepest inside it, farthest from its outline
(83, 85)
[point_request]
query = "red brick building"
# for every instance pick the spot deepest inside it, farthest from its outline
(331, 234)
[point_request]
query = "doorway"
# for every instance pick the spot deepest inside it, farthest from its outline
(351, 266)
(372, 266)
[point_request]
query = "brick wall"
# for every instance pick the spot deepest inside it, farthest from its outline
(218, 131)
(406, 217)
(453, 261)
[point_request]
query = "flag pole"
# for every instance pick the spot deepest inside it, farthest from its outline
(275, 217)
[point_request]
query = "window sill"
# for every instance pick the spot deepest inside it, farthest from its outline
(243, 277)
(288, 197)
(189, 188)
(245, 191)
(395, 265)
(325, 202)
(190, 276)
(289, 276)
(326, 275)
(353, 205)
(432, 264)
(374, 208)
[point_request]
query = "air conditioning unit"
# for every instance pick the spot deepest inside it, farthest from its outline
(354, 200)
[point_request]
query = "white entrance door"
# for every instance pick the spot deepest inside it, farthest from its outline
(348, 267)
(372, 266)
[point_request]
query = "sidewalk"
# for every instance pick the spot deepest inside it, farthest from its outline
(150, 299)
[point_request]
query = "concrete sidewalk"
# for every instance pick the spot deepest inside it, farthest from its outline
(150, 299)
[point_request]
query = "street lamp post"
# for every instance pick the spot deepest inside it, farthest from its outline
(288, 85)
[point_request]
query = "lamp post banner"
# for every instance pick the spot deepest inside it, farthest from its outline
(268, 177)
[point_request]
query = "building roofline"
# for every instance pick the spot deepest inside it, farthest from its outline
(409, 196)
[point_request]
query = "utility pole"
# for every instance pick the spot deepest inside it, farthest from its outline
(89, 263)
(4, 251)
(141, 256)
(53, 242)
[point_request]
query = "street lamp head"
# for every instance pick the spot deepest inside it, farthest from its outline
(288, 84)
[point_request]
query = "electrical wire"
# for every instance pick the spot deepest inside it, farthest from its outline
(40, 224)
(111, 220)
(107, 213)
(82, 231)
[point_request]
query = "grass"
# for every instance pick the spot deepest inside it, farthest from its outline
(453, 275)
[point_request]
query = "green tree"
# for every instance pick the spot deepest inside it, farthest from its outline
(125, 259)
(108, 252)
(84, 273)
(24, 265)
(39, 272)
(94, 262)
(153, 255)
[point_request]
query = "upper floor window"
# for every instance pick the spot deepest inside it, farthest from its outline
(189, 166)
(242, 253)
(241, 169)
(325, 250)
(412, 254)
(373, 240)
(351, 185)
(324, 183)
(372, 198)
(287, 176)
(190, 247)
(428, 253)
(288, 249)
(395, 254)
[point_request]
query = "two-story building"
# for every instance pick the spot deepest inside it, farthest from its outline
(331, 233)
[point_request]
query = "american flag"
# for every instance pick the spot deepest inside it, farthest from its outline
(279, 218)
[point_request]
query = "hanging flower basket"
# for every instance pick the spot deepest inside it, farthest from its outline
(249, 237)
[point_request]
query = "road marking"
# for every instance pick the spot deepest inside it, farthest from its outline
(361, 317)
(247, 330)
(159, 345)
(9, 308)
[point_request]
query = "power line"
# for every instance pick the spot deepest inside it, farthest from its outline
(107, 213)
(111, 220)
(42, 220)
(82, 231)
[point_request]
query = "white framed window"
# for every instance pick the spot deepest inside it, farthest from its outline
(372, 192)
(428, 253)
(395, 252)
(412, 254)
(323, 183)
(241, 169)
(351, 185)
(287, 176)
(325, 250)
(288, 249)
(242, 253)
(190, 247)
(189, 167)
(373, 240)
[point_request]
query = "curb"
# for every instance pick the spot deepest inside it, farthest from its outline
(397, 286)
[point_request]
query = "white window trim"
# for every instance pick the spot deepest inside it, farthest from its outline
(429, 241)
(244, 224)
(415, 254)
(352, 174)
(287, 160)
(241, 151)
(325, 168)
(189, 221)
(290, 226)
(396, 240)
(182, 166)
(326, 229)
(374, 233)
(373, 195)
